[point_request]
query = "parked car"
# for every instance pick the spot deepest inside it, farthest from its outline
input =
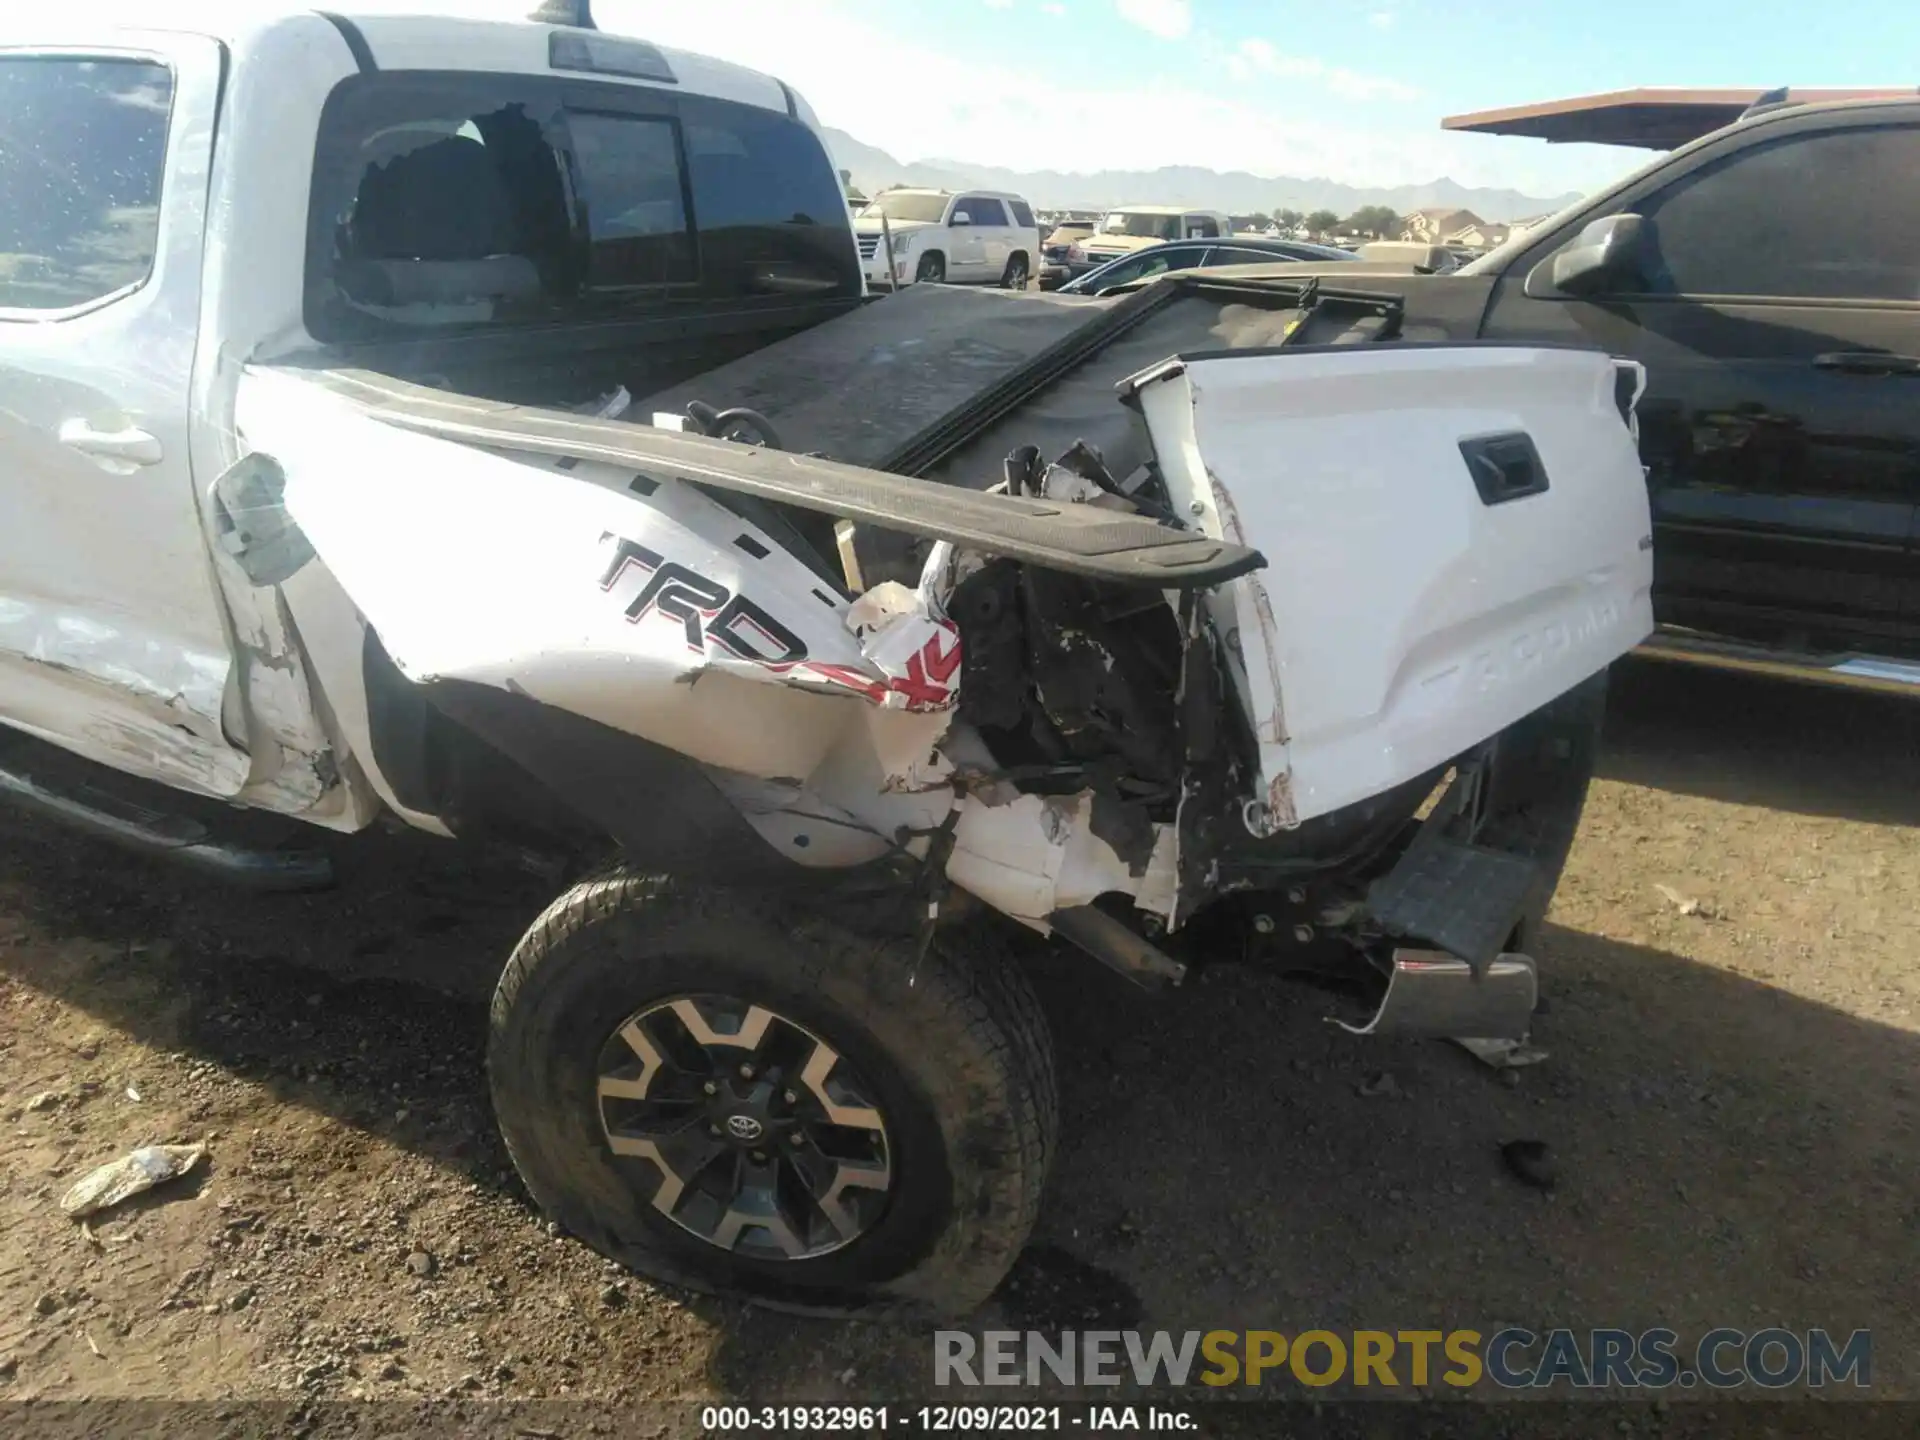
(1135, 227)
(1426, 259)
(1053, 256)
(1780, 428)
(969, 237)
(327, 494)
(1190, 255)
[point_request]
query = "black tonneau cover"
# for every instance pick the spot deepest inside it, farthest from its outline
(864, 386)
(1081, 540)
(945, 382)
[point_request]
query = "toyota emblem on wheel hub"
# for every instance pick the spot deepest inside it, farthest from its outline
(744, 1127)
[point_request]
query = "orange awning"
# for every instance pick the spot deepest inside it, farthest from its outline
(1651, 119)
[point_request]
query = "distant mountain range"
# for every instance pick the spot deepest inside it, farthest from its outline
(1235, 191)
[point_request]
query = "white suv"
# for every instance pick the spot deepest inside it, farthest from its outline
(974, 237)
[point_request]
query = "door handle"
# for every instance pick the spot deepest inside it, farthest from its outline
(130, 446)
(1868, 362)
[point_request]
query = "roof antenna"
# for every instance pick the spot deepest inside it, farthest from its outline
(578, 14)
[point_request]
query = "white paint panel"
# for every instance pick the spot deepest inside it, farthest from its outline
(1401, 620)
(479, 566)
(109, 618)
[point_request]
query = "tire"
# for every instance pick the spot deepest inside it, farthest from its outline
(1018, 272)
(932, 269)
(1537, 790)
(952, 1053)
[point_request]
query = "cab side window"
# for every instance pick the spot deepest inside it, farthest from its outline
(1153, 262)
(83, 148)
(1826, 215)
(1127, 271)
(1202, 227)
(1022, 214)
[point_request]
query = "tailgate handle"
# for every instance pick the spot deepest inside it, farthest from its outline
(1868, 362)
(1504, 467)
(129, 446)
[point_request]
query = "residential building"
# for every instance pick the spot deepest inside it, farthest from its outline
(1432, 226)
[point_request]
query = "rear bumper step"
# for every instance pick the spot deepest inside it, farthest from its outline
(1850, 671)
(177, 838)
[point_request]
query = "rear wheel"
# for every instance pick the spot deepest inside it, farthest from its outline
(932, 269)
(1017, 273)
(723, 1092)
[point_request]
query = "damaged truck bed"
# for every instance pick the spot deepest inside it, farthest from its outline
(1173, 585)
(1214, 623)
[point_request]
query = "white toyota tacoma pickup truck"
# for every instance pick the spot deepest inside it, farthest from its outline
(484, 426)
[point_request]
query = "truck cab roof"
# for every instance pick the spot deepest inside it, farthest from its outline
(396, 38)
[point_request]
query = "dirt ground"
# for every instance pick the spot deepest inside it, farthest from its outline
(1734, 1028)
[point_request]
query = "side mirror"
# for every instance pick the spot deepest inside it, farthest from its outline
(1605, 256)
(961, 217)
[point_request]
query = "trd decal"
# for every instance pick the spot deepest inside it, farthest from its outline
(680, 594)
(707, 610)
(927, 685)
(746, 630)
(626, 554)
(926, 682)
(711, 614)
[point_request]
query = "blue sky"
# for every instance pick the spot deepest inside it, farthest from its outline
(1351, 89)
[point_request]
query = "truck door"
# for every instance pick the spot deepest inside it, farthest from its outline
(994, 227)
(967, 257)
(112, 639)
(1774, 309)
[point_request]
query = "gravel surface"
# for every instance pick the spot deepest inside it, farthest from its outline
(1726, 1116)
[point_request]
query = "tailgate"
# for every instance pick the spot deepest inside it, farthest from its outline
(1458, 534)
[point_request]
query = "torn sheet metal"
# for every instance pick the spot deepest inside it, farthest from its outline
(915, 650)
(113, 689)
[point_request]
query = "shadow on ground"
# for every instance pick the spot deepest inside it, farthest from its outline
(1752, 741)
(1728, 1154)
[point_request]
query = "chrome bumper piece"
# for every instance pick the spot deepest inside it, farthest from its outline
(1437, 996)
(1851, 671)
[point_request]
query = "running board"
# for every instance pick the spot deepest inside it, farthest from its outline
(1845, 671)
(166, 836)
(1077, 539)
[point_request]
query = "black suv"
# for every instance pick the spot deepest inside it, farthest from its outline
(1768, 277)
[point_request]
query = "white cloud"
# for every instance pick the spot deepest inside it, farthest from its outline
(1169, 19)
(1381, 19)
(1260, 57)
(917, 100)
(1053, 9)
(999, 4)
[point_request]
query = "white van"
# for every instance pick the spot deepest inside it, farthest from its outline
(965, 237)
